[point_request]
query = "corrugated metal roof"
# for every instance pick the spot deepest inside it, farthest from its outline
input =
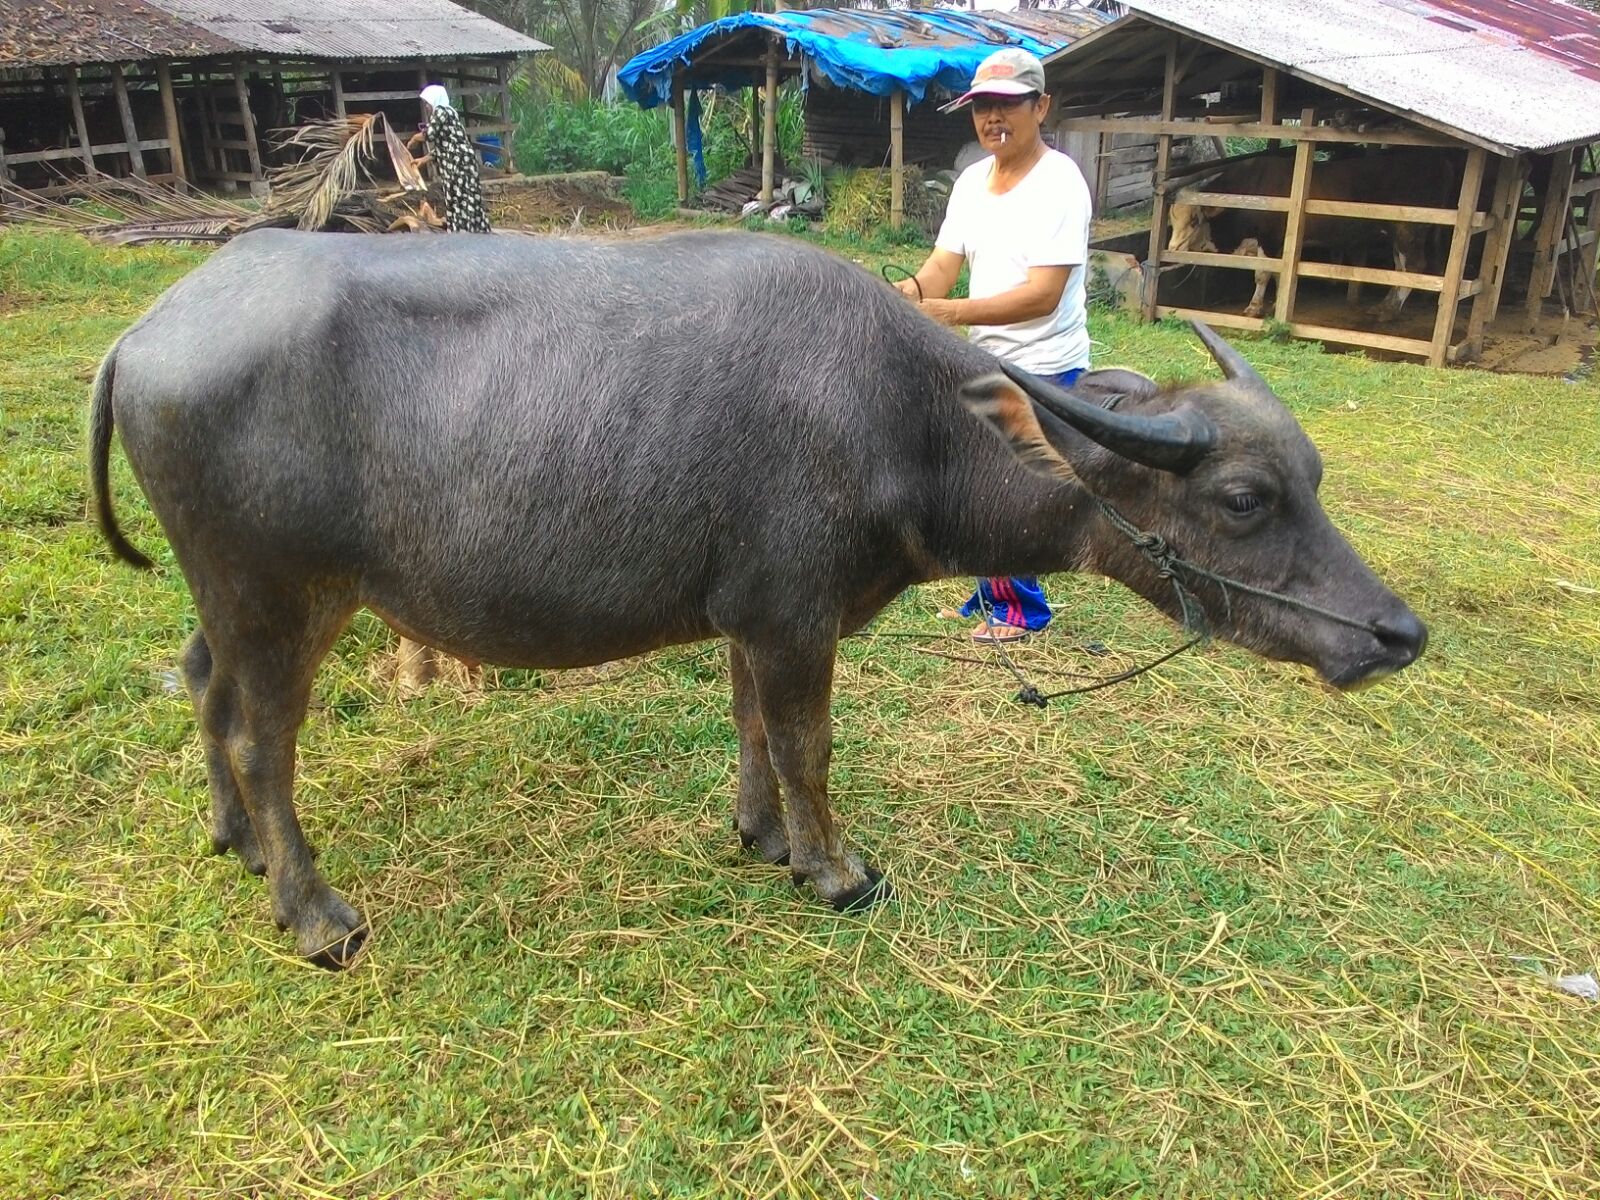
(352, 28)
(56, 32)
(877, 51)
(1510, 74)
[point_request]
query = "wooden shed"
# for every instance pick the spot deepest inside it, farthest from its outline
(874, 80)
(1507, 92)
(183, 91)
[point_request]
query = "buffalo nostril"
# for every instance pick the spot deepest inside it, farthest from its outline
(1404, 633)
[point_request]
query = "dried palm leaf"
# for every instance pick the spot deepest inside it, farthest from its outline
(336, 157)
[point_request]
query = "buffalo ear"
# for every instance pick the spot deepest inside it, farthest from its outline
(1112, 385)
(1009, 412)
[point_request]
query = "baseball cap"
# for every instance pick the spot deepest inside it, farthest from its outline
(1008, 72)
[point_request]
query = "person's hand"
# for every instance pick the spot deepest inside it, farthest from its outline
(907, 287)
(946, 312)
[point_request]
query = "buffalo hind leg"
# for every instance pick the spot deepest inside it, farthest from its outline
(230, 823)
(1409, 247)
(759, 814)
(794, 680)
(256, 701)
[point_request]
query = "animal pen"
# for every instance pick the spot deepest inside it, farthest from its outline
(873, 80)
(176, 92)
(1507, 91)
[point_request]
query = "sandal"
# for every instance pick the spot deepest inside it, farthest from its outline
(998, 633)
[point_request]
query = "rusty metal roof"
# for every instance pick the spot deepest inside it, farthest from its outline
(49, 33)
(1509, 75)
(57, 32)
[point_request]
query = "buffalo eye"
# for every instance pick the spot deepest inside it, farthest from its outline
(1242, 504)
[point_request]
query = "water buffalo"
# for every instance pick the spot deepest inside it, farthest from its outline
(553, 453)
(1397, 177)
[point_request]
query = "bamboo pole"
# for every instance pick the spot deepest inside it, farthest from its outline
(680, 138)
(1460, 238)
(897, 159)
(119, 85)
(755, 116)
(169, 110)
(769, 126)
(1158, 216)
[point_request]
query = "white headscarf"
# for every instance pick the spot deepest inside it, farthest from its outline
(436, 96)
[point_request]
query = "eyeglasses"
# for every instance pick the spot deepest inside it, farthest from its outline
(988, 104)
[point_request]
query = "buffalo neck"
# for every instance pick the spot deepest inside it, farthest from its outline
(991, 515)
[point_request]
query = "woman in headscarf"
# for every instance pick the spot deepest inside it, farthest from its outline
(455, 163)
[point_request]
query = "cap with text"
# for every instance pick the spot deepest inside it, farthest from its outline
(1009, 72)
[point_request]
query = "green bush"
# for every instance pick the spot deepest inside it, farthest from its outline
(556, 135)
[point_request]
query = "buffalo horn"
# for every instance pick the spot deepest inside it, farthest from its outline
(1233, 364)
(1173, 441)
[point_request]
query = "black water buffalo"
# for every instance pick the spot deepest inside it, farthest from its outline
(555, 453)
(1397, 177)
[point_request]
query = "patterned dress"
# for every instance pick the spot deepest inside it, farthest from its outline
(455, 165)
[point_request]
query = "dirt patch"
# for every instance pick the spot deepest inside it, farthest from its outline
(540, 204)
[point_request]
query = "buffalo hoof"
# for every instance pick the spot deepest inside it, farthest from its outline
(875, 889)
(773, 847)
(240, 837)
(328, 932)
(340, 954)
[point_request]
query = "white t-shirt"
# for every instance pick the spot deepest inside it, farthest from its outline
(1041, 222)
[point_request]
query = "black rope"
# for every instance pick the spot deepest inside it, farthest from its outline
(887, 267)
(1172, 567)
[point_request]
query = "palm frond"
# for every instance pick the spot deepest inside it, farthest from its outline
(336, 158)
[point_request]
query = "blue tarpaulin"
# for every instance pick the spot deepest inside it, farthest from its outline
(874, 51)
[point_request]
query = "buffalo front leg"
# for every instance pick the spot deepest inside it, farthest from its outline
(759, 814)
(794, 681)
(230, 823)
(1258, 302)
(256, 701)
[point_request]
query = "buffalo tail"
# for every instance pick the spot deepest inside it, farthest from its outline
(100, 427)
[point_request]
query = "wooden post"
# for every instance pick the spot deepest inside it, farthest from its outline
(249, 122)
(1158, 216)
(1294, 230)
(85, 149)
(1269, 95)
(769, 126)
(1460, 238)
(502, 75)
(5, 175)
(1496, 248)
(1589, 256)
(130, 131)
(897, 158)
(338, 92)
(1552, 217)
(680, 137)
(1102, 170)
(169, 110)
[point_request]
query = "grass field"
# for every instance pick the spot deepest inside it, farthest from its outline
(1216, 933)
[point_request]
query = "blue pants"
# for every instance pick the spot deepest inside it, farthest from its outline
(1016, 601)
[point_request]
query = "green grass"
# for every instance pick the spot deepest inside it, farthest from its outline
(1217, 933)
